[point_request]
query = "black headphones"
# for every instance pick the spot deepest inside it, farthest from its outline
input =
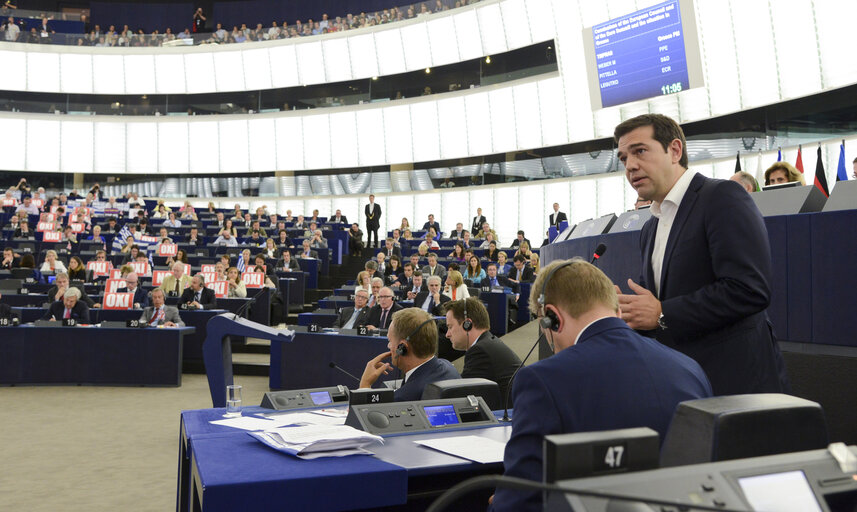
(549, 321)
(402, 349)
(467, 325)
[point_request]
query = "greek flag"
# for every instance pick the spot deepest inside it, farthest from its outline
(123, 234)
(241, 266)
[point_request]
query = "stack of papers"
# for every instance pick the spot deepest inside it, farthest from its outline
(314, 441)
(317, 417)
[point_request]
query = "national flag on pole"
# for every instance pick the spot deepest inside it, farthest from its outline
(779, 154)
(799, 163)
(760, 174)
(738, 162)
(820, 178)
(841, 173)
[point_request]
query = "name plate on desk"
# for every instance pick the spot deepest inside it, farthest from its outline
(312, 328)
(421, 415)
(69, 322)
(362, 330)
(9, 322)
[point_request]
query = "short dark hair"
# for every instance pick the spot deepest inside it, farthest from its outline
(476, 312)
(520, 257)
(491, 264)
(665, 130)
(521, 232)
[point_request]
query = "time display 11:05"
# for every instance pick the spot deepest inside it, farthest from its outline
(671, 88)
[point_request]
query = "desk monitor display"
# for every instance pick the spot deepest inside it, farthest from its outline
(564, 235)
(594, 227)
(631, 221)
(786, 492)
(320, 397)
(439, 415)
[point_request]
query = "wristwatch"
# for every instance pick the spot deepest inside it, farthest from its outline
(661, 323)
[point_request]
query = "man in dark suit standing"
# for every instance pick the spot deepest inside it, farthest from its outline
(412, 340)
(478, 220)
(486, 356)
(353, 316)
(706, 263)
(68, 307)
(197, 296)
(432, 300)
(373, 221)
(381, 314)
(579, 388)
(557, 216)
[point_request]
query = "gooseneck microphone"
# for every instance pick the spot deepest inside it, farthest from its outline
(343, 370)
(599, 251)
(509, 386)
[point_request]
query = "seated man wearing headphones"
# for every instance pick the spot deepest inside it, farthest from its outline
(413, 343)
(603, 375)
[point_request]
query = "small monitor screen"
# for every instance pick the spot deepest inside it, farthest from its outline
(439, 415)
(784, 492)
(320, 397)
(52, 279)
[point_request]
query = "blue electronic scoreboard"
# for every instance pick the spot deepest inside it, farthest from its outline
(644, 54)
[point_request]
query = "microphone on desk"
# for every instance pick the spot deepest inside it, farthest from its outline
(509, 386)
(343, 370)
(246, 305)
(599, 251)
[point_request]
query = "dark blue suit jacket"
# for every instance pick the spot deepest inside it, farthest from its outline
(79, 312)
(715, 289)
(612, 378)
(141, 296)
(432, 370)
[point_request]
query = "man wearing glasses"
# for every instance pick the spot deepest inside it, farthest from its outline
(382, 313)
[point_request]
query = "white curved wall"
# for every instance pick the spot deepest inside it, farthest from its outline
(754, 52)
(453, 36)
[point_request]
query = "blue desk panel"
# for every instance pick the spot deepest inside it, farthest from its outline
(237, 472)
(91, 355)
(303, 362)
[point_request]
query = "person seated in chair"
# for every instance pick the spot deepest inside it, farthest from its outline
(351, 317)
(69, 307)
(197, 295)
(159, 314)
(432, 300)
(412, 340)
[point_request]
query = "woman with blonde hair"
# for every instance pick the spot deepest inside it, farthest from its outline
(363, 282)
(455, 287)
(404, 225)
(237, 288)
(535, 262)
(51, 263)
(524, 250)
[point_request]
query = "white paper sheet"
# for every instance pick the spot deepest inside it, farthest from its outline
(475, 448)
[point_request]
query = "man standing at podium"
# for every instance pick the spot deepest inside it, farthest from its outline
(557, 216)
(706, 263)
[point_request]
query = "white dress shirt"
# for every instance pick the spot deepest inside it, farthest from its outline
(665, 212)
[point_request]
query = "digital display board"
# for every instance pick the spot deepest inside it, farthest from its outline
(648, 53)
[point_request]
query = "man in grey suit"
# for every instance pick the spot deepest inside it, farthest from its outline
(159, 314)
(349, 318)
